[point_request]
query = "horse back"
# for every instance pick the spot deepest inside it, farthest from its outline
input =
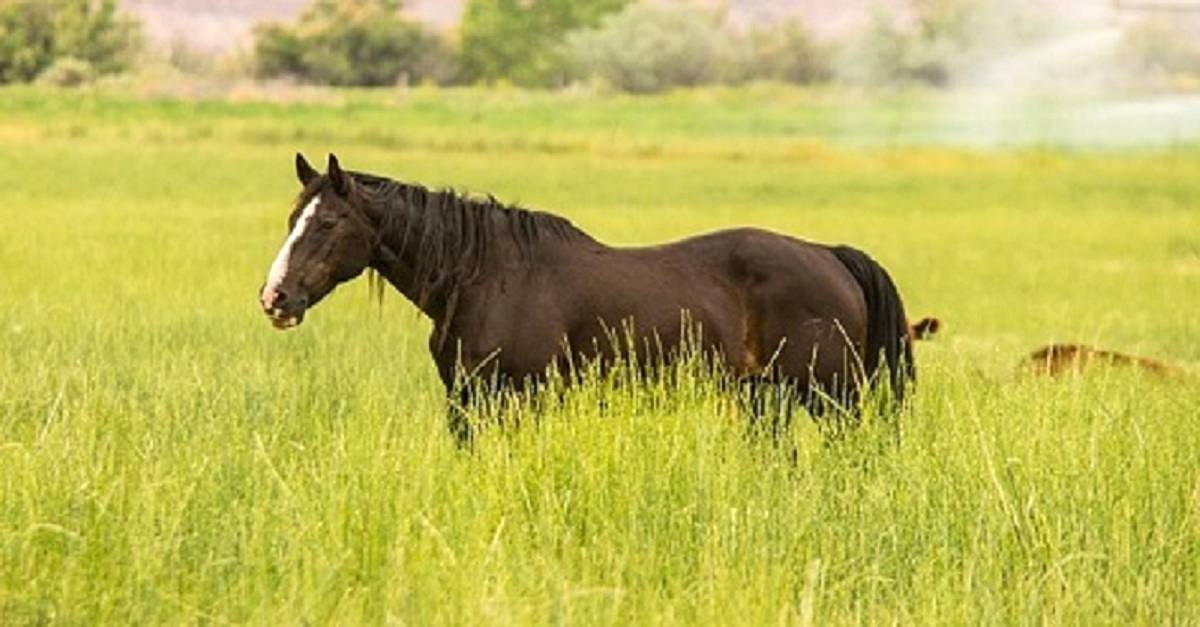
(759, 297)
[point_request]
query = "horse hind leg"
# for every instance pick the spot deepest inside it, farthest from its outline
(770, 405)
(833, 408)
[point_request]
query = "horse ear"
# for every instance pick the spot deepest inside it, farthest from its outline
(304, 171)
(341, 180)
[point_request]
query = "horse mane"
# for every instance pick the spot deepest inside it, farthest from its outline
(453, 236)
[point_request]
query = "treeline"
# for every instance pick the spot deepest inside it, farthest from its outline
(631, 45)
(652, 45)
(636, 46)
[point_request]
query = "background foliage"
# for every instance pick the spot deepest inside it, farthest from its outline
(634, 45)
(519, 40)
(653, 46)
(87, 34)
(947, 40)
(1158, 52)
(347, 42)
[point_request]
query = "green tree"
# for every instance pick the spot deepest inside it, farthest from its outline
(36, 33)
(520, 40)
(347, 42)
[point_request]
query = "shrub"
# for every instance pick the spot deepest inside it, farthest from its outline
(787, 52)
(1160, 50)
(68, 72)
(344, 42)
(651, 46)
(34, 34)
(946, 40)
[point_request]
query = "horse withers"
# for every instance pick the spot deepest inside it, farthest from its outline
(513, 292)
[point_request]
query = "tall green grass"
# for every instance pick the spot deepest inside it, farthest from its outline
(166, 456)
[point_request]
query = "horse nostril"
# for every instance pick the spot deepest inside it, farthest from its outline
(280, 298)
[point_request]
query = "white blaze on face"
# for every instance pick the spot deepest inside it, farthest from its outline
(280, 266)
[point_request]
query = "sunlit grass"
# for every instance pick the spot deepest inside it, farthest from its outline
(166, 456)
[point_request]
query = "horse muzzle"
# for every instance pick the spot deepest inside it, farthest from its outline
(284, 309)
(284, 321)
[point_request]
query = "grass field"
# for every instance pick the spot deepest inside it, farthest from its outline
(166, 456)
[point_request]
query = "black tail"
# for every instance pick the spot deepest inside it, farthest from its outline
(887, 325)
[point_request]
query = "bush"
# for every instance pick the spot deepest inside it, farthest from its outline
(787, 52)
(1157, 50)
(947, 40)
(34, 34)
(521, 40)
(349, 43)
(68, 72)
(651, 46)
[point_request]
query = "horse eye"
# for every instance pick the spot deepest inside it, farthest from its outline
(327, 223)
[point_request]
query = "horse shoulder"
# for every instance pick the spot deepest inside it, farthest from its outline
(510, 321)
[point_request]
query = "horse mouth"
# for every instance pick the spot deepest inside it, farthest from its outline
(284, 321)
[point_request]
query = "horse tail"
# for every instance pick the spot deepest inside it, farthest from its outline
(887, 324)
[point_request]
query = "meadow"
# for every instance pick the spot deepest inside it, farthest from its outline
(168, 457)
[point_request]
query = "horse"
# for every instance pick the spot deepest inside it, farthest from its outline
(513, 293)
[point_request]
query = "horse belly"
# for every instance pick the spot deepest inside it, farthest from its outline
(652, 312)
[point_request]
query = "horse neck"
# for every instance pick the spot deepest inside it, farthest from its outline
(401, 275)
(397, 262)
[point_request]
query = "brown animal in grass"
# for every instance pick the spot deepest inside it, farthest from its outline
(1057, 359)
(924, 329)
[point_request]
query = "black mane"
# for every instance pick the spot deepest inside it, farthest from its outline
(453, 236)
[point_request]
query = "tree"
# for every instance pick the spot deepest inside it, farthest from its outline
(353, 43)
(36, 33)
(520, 40)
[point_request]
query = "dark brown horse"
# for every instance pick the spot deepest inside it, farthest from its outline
(513, 292)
